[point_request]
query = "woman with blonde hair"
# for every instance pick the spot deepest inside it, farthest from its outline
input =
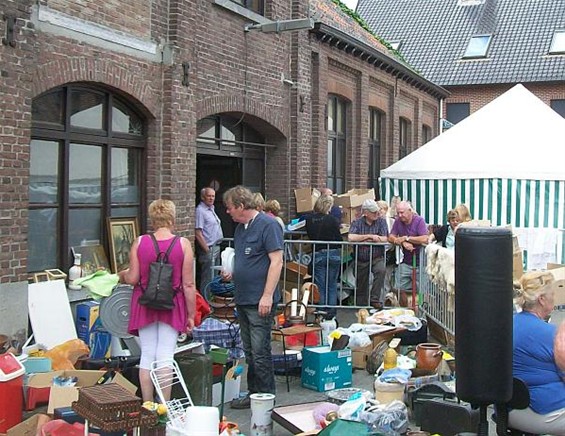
(463, 212)
(322, 226)
(273, 209)
(158, 329)
(534, 359)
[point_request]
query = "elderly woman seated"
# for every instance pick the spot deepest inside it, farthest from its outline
(534, 358)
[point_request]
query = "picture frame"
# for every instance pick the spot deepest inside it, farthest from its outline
(121, 234)
(93, 258)
(40, 277)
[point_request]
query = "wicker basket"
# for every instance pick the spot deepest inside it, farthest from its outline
(112, 408)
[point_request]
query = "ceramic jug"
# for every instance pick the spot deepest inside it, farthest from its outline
(428, 356)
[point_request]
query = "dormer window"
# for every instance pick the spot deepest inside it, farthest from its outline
(478, 46)
(558, 43)
(395, 45)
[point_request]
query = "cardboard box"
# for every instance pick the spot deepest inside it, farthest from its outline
(305, 199)
(517, 265)
(86, 315)
(28, 427)
(324, 370)
(360, 356)
(558, 272)
(354, 198)
(348, 215)
(64, 396)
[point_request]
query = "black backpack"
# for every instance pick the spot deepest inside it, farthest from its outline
(159, 293)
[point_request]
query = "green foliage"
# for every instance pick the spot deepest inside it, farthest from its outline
(365, 26)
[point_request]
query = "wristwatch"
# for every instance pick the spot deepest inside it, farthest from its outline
(407, 238)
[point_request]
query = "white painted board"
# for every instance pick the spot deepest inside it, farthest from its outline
(50, 313)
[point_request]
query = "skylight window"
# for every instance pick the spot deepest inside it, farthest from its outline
(558, 43)
(478, 46)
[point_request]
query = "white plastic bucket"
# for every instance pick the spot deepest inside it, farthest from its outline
(202, 421)
(388, 392)
(261, 421)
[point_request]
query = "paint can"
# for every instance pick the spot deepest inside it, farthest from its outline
(261, 421)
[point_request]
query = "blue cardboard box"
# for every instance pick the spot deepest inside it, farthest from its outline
(86, 315)
(324, 370)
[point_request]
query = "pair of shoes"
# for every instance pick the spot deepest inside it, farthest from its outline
(241, 403)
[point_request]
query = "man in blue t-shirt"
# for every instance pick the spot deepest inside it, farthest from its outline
(258, 261)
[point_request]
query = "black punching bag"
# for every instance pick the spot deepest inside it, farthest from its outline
(483, 314)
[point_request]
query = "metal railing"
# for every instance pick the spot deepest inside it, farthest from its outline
(299, 268)
(434, 301)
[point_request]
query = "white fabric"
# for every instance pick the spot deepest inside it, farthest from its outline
(515, 136)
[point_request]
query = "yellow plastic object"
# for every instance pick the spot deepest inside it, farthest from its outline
(390, 359)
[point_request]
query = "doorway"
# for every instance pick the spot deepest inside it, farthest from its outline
(220, 173)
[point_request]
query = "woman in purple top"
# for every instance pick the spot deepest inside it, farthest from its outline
(158, 329)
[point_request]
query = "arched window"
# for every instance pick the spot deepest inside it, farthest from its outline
(405, 137)
(86, 164)
(376, 123)
(337, 134)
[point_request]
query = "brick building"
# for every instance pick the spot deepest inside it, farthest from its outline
(110, 104)
(478, 49)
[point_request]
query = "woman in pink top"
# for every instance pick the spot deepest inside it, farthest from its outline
(158, 329)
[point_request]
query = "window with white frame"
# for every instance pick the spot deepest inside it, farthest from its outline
(558, 42)
(477, 47)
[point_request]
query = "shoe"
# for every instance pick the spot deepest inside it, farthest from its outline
(241, 403)
(377, 305)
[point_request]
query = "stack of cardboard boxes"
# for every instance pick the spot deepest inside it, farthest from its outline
(349, 202)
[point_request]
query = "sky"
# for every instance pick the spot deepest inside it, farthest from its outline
(351, 4)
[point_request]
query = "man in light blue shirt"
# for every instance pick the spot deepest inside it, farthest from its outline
(208, 231)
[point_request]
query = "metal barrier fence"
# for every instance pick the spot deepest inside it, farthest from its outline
(434, 300)
(439, 304)
(300, 266)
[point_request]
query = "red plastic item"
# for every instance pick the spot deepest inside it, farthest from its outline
(312, 339)
(58, 427)
(11, 391)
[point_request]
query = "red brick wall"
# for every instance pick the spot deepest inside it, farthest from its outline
(231, 71)
(15, 126)
(478, 96)
(128, 16)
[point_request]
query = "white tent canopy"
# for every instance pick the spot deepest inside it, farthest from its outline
(506, 162)
(516, 136)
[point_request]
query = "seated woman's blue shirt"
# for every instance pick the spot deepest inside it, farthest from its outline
(534, 363)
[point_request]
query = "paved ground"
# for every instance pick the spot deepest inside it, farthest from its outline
(299, 395)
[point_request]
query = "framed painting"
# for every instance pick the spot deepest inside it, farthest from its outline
(121, 234)
(93, 258)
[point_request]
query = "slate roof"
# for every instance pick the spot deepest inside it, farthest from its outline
(336, 28)
(434, 35)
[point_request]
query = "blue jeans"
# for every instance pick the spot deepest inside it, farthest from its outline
(326, 271)
(256, 338)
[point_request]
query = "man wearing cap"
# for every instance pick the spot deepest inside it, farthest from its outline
(370, 227)
(409, 231)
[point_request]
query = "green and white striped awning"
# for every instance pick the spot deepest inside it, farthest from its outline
(521, 203)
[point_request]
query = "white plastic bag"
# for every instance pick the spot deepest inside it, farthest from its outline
(227, 257)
